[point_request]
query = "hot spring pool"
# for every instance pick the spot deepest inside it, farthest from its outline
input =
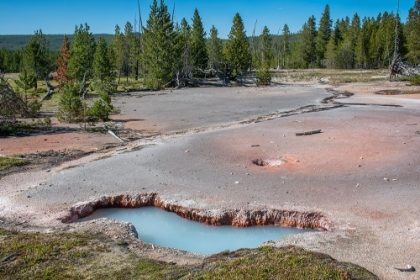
(163, 228)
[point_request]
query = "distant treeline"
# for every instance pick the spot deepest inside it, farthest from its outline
(18, 42)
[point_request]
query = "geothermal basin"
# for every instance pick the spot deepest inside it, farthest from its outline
(232, 150)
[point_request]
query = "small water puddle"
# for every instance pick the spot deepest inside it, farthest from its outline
(163, 228)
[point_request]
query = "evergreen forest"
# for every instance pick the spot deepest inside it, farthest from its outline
(163, 52)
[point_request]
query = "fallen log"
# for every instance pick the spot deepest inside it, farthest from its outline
(308, 132)
(50, 90)
(201, 82)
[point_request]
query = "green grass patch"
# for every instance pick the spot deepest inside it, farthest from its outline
(69, 255)
(277, 263)
(7, 162)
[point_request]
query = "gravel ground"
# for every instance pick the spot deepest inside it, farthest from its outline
(362, 171)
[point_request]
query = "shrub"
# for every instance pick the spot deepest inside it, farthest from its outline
(70, 106)
(415, 81)
(101, 108)
(263, 77)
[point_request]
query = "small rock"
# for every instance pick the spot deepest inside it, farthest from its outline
(386, 179)
(408, 268)
(359, 165)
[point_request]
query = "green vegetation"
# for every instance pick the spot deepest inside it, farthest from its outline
(415, 81)
(237, 49)
(71, 108)
(199, 54)
(7, 162)
(158, 54)
(21, 128)
(278, 263)
(163, 52)
(70, 255)
(215, 47)
(81, 53)
(36, 56)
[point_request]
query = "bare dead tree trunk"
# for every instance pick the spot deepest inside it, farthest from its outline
(82, 90)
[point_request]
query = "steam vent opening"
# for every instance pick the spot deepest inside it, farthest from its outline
(159, 227)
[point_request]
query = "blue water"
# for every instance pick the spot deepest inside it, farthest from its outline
(159, 227)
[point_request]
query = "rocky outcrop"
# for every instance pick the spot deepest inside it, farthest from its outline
(233, 217)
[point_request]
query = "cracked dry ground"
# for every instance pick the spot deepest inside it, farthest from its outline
(362, 172)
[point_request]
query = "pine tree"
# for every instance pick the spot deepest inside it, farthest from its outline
(63, 62)
(308, 37)
(362, 43)
(237, 49)
(413, 33)
(324, 34)
(117, 44)
(184, 47)
(266, 48)
(199, 54)
(331, 54)
(26, 81)
(214, 49)
(285, 49)
(36, 55)
(337, 35)
(81, 53)
(70, 106)
(126, 49)
(159, 40)
(130, 51)
(102, 67)
(346, 49)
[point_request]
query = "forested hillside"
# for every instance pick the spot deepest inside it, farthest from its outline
(18, 42)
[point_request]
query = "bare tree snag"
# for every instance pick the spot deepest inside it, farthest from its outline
(50, 90)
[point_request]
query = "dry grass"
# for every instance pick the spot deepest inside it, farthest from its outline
(330, 76)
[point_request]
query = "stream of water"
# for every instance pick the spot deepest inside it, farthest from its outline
(163, 228)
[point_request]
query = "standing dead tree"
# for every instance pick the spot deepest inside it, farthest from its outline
(398, 67)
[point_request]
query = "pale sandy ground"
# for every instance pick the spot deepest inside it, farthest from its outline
(340, 172)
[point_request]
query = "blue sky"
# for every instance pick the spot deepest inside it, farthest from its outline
(61, 16)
